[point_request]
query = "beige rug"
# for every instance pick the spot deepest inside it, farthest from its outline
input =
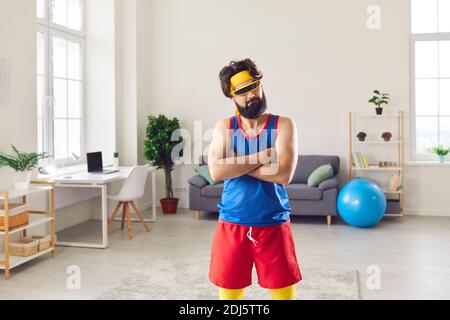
(183, 279)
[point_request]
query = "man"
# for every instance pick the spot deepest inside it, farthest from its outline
(256, 154)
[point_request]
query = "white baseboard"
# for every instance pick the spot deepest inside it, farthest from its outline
(427, 212)
(145, 206)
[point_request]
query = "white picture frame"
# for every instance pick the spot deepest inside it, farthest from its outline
(4, 81)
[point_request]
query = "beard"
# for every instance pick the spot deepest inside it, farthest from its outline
(254, 109)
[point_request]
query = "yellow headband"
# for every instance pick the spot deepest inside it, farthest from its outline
(237, 79)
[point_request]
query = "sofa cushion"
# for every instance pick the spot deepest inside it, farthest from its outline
(332, 183)
(307, 164)
(198, 181)
(301, 191)
(212, 191)
(322, 173)
(204, 172)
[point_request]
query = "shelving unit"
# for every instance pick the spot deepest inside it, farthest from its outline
(379, 169)
(376, 142)
(8, 262)
(398, 143)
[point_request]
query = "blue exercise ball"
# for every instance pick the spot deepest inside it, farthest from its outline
(361, 203)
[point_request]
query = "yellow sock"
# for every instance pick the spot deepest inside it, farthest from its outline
(287, 293)
(231, 294)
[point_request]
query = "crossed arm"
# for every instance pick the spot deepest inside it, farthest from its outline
(275, 165)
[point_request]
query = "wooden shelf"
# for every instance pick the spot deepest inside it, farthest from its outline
(397, 215)
(36, 222)
(369, 115)
(376, 142)
(14, 194)
(15, 261)
(13, 208)
(399, 153)
(392, 192)
(378, 169)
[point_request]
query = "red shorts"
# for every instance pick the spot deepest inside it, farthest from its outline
(236, 247)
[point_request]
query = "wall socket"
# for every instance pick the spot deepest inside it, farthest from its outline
(181, 189)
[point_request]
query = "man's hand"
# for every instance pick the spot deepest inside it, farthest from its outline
(272, 155)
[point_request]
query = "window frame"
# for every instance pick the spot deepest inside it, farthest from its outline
(414, 38)
(46, 99)
(50, 30)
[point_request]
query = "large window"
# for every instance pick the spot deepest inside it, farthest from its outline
(430, 76)
(60, 81)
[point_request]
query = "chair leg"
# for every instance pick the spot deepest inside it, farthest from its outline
(127, 212)
(329, 219)
(113, 216)
(197, 215)
(122, 224)
(139, 215)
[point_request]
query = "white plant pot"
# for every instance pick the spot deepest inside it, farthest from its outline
(116, 163)
(22, 180)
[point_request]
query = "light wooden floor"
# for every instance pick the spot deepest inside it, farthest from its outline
(413, 256)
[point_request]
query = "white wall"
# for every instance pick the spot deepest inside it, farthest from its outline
(100, 77)
(126, 81)
(319, 60)
(132, 45)
(144, 71)
(18, 123)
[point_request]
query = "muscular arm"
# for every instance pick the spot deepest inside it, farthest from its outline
(282, 170)
(224, 164)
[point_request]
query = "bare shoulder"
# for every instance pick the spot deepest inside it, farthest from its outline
(286, 123)
(222, 124)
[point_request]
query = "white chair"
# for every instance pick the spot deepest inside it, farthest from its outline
(132, 189)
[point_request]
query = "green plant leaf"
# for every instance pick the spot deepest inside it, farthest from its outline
(158, 145)
(439, 150)
(20, 161)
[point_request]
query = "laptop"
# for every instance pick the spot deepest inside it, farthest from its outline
(95, 163)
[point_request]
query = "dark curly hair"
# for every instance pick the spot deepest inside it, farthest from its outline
(233, 68)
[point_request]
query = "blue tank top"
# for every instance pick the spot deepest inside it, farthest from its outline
(247, 200)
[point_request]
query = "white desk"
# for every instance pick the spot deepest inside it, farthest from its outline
(98, 181)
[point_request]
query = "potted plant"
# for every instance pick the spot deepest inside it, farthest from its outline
(361, 136)
(23, 164)
(158, 150)
(387, 136)
(116, 160)
(441, 152)
(378, 100)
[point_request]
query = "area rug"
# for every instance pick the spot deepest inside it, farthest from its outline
(185, 279)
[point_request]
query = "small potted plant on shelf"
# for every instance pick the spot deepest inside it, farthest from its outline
(361, 136)
(158, 150)
(378, 100)
(23, 164)
(387, 136)
(441, 152)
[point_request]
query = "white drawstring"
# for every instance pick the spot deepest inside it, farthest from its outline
(249, 235)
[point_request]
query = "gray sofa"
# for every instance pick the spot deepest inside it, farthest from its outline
(303, 200)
